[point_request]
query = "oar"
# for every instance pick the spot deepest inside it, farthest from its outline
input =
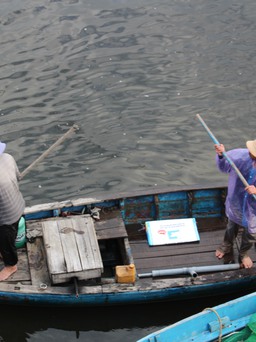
(224, 153)
(45, 154)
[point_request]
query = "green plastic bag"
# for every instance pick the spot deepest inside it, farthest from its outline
(238, 336)
(248, 334)
(251, 338)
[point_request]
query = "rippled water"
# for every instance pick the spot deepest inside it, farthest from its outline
(133, 75)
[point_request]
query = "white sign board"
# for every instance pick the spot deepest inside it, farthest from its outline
(166, 232)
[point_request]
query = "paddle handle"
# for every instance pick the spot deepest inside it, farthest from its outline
(224, 153)
(45, 154)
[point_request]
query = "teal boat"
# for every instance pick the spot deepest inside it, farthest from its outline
(232, 321)
(117, 250)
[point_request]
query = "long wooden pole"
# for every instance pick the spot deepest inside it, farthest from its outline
(45, 154)
(224, 153)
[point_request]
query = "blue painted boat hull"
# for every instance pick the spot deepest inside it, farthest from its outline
(200, 202)
(125, 298)
(210, 324)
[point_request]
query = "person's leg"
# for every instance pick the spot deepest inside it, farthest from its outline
(229, 237)
(8, 250)
(246, 244)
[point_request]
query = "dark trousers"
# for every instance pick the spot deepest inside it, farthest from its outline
(229, 237)
(8, 233)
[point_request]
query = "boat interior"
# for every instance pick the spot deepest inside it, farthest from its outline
(117, 236)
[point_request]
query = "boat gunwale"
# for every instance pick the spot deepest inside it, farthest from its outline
(101, 198)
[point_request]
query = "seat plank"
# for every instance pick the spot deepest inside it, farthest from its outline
(110, 226)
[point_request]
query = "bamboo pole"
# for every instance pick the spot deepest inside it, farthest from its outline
(232, 164)
(45, 154)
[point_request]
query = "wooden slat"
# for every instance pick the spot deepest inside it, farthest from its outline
(82, 241)
(87, 244)
(110, 226)
(208, 243)
(37, 263)
(53, 247)
(67, 235)
(179, 261)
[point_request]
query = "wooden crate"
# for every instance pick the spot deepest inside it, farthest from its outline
(72, 248)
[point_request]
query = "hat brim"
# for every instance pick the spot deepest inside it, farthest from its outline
(251, 145)
(2, 147)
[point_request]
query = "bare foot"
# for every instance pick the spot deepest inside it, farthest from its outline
(7, 271)
(219, 254)
(247, 262)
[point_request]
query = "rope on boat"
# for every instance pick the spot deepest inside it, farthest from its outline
(219, 319)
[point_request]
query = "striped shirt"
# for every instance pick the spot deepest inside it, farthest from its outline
(12, 203)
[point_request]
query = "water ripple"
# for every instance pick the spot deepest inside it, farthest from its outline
(132, 76)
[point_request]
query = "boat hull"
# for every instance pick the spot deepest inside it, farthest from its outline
(127, 297)
(118, 226)
(209, 325)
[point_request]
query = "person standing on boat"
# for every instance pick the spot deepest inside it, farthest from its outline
(240, 205)
(12, 206)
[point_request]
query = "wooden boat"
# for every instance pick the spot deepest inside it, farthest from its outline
(95, 251)
(232, 321)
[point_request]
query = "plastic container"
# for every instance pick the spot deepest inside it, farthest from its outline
(125, 274)
(21, 235)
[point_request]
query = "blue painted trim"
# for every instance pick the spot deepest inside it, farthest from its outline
(39, 215)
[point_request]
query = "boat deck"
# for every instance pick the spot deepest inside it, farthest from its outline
(110, 229)
(202, 253)
(148, 258)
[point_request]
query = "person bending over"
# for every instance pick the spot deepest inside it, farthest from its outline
(12, 207)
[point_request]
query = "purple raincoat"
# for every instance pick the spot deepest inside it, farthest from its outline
(240, 206)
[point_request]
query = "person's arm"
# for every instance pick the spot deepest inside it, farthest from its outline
(221, 162)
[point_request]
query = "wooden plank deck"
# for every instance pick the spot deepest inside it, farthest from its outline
(148, 258)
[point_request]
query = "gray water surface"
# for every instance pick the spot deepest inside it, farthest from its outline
(133, 75)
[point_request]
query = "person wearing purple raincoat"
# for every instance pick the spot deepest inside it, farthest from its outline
(240, 205)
